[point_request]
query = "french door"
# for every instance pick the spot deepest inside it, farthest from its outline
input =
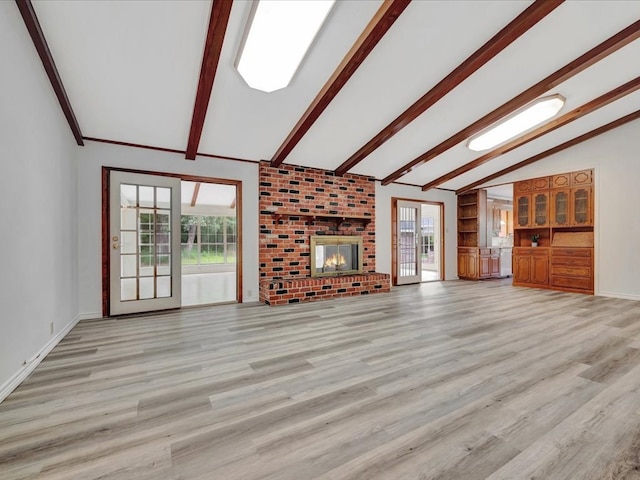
(408, 242)
(144, 246)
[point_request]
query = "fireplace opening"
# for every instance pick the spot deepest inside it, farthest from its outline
(336, 255)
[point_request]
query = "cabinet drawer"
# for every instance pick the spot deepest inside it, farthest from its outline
(485, 251)
(572, 282)
(571, 271)
(571, 261)
(537, 251)
(572, 252)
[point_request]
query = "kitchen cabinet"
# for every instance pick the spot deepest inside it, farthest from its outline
(572, 269)
(522, 208)
(532, 210)
(562, 217)
(572, 207)
(468, 263)
(531, 266)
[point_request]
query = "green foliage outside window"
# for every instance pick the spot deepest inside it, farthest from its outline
(207, 239)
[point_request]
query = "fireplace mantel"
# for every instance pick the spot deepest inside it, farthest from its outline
(311, 217)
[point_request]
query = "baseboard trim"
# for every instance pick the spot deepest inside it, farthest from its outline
(623, 296)
(89, 316)
(11, 384)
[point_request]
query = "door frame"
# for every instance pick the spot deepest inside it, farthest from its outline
(106, 227)
(394, 239)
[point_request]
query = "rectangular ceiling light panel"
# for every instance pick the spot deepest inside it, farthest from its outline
(279, 33)
(528, 117)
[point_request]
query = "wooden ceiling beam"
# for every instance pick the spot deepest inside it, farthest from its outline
(220, 12)
(565, 119)
(606, 48)
(552, 151)
(194, 197)
(37, 36)
(381, 22)
(522, 23)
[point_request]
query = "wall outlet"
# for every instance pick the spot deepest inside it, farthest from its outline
(249, 293)
(51, 328)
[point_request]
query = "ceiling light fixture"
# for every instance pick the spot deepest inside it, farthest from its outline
(522, 120)
(278, 35)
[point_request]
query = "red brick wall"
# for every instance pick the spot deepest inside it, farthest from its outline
(284, 247)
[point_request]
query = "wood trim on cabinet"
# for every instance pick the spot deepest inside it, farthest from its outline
(548, 127)
(379, 25)
(220, 12)
(563, 146)
(516, 28)
(39, 41)
(190, 178)
(606, 48)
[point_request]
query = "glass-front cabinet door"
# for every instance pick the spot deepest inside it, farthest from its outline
(523, 210)
(560, 208)
(540, 209)
(581, 203)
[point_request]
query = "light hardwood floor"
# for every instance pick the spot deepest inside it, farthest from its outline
(455, 380)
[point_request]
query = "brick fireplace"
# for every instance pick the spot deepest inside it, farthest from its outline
(297, 203)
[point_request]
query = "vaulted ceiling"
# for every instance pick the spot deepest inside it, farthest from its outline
(389, 89)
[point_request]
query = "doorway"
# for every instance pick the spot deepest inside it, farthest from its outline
(416, 241)
(208, 243)
(169, 241)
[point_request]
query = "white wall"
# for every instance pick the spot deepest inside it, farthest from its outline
(94, 156)
(384, 194)
(615, 157)
(38, 274)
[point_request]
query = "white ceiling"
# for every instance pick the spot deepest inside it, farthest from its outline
(209, 194)
(131, 71)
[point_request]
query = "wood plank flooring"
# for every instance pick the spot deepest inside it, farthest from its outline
(455, 380)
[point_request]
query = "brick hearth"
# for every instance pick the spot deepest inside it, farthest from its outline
(284, 243)
(307, 289)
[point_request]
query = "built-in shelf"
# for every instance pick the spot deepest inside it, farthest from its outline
(310, 217)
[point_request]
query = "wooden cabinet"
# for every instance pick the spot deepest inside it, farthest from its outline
(542, 183)
(560, 200)
(494, 264)
(583, 177)
(559, 210)
(581, 207)
(532, 210)
(468, 263)
(561, 181)
(472, 207)
(572, 207)
(539, 209)
(572, 269)
(531, 266)
(522, 210)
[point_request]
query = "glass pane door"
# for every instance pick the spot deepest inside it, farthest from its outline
(144, 243)
(408, 242)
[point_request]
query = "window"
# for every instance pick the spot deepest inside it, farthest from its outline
(207, 240)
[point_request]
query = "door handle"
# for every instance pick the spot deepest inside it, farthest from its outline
(115, 246)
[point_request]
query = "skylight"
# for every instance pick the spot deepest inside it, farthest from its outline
(278, 37)
(532, 115)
